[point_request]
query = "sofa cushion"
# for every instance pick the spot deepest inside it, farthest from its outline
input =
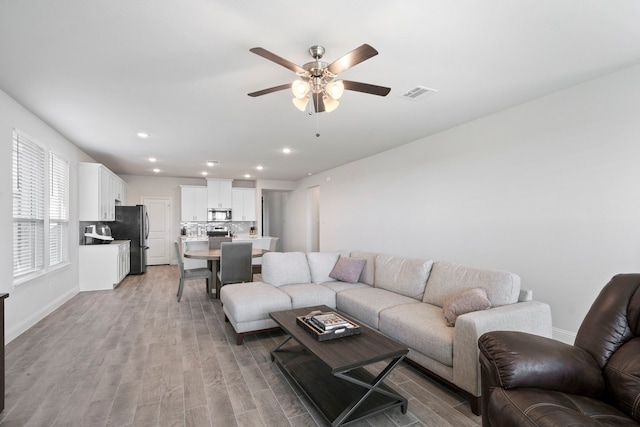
(248, 302)
(321, 264)
(622, 376)
(285, 268)
(367, 275)
(338, 286)
(539, 407)
(474, 299)
(404, 276)
(348, 269)
(421, 327)
(447, 279)
(308, 294)
(366, 303)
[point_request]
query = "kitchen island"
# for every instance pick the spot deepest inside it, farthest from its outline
(202, 242)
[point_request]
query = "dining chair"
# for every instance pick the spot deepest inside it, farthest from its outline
(256, 263)
(235, 263)
(215, 241)
(190, 273)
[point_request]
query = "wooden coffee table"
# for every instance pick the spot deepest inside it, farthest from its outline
(332, 374)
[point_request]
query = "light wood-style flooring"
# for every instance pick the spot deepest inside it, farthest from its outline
(136, 357)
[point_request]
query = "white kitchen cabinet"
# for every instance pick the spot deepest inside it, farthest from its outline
(98, 190)
(119, 189)
(219, 193)
(103, 267)
(244, 204)
(194, 203)
(124, 260)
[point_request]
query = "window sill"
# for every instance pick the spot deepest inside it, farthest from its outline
(17, 282)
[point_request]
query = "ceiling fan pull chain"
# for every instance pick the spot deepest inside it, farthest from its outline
(317, 123)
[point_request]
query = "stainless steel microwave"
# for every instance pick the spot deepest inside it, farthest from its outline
(219, 215)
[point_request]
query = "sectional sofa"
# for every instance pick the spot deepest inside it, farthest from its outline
(438, 309)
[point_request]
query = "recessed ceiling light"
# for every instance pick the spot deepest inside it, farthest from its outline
(309, 174)
(152, 159)
(204, 173)
(286, 150)
(259, 167)
(143, 135)
(211, 163)
(156, 170)
(247, 176)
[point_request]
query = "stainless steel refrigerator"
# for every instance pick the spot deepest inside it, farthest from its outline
(132, 223)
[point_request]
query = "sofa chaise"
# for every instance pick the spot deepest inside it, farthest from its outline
(437, 309)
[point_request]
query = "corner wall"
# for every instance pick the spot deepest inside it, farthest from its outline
(29, 302)
(549, 190)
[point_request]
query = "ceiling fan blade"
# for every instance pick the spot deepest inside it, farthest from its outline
(352, 58)
(318, 102)
(366, 88)
(277, 59)
(270, 90)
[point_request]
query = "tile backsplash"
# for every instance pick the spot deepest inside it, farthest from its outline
(200, 228)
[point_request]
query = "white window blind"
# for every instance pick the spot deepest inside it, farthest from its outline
(28, 205)
(58, 210)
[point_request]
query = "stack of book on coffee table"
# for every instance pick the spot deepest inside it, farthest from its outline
(328, 325)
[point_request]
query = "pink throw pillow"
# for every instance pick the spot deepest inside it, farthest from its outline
(474, 299)
(348, 269)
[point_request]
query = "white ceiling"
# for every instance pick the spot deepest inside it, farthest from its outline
(101, 71)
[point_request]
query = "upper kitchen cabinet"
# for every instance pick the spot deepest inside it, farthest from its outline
(244, 204)
(99, 191)
(219, 193)
(194, 203)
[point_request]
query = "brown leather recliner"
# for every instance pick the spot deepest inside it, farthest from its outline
(528, 380)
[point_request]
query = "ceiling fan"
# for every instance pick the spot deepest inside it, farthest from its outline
(316, 79)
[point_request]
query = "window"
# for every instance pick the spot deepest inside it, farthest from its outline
(38, 218)
(58, 210)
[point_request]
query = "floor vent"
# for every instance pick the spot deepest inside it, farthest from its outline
(418, 92)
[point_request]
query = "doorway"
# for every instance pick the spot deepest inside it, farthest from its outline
(313, 219)
(273, 212)
(160, 233)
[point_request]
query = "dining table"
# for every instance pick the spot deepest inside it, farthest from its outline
(212, 256)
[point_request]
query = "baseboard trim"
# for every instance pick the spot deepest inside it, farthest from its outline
(17, 330)
(566, 337)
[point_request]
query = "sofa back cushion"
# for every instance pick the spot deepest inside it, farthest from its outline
(321, 264)
(285, 268)
(404, 276)
(367, 275)
(447, 279)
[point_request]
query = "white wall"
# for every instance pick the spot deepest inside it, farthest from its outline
(549, 190)
(31, 301)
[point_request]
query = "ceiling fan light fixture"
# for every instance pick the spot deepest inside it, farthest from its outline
(301, 103)
(300, 88)
(330, 104)
(335, 89)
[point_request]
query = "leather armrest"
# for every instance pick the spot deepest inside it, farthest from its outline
(517, 359)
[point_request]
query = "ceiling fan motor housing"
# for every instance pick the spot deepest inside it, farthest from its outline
(316, 71)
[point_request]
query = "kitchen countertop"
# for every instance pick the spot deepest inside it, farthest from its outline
(205, 238)
(113, 242)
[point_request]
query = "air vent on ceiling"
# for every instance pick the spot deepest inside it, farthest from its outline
(418, 93)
